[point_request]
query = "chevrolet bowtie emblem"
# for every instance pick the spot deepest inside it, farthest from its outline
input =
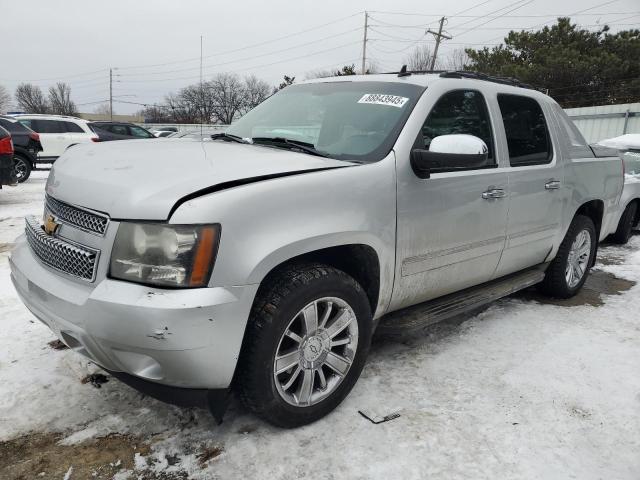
(50, 225)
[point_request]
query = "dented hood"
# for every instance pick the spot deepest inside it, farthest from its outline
(144, 179)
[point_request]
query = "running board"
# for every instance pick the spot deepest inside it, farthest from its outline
(417, 317)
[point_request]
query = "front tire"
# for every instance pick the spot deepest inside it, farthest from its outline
(626, 224)
(22, 168)
(306, 343)
(568, 271)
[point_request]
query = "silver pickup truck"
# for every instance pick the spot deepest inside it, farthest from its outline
(263, 261)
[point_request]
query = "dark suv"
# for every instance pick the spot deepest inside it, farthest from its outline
(108, 131)
(7, 173)
(26, 144)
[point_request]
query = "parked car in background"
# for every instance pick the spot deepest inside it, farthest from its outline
(7, 172)
(628, 215)
(108, 131)
(194, 135)
(164, 131)
(57, 133)
(266, 266)
(26, 145)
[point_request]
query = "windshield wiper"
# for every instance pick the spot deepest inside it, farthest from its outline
(291, 144)
(228, 136)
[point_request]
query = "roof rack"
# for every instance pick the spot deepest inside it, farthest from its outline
(488, 78)
(43, 115)
(465, 74)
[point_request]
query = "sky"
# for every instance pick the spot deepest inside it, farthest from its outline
(153, 47)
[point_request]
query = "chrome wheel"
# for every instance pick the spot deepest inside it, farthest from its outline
(578, 259)
(20, 169)
(316, 351)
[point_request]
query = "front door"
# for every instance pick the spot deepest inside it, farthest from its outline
(535, 181)
(449, 235)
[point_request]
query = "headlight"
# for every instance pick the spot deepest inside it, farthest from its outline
(164, 255)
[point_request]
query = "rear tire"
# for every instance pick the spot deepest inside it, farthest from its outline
(22, 168)
(626, 224)
(285, 373)
(568, 271)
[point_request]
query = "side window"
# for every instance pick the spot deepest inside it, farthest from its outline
(571, 136)
(139, 132)
(118, 129)
(526, 130)
(48, 126)
(72, 127)
(460, 111)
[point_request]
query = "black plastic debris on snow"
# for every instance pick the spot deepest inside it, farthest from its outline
(377, 420)
(57, 345)
(95, 379)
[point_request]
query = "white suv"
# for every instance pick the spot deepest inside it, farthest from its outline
(57, 133)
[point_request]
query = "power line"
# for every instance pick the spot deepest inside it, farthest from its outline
(527, 2)
(252, 57)
(56, 78)
(580, 12)
(266, 42)
(248, 68)
(508, 16)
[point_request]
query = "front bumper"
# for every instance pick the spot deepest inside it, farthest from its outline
(187, 338)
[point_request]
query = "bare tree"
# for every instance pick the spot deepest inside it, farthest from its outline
(60, 100)
(185, 105)
(102, 109)
(227, 93)
(5, 99)
(30, 99)
(420, 58)
(255, 92)
(156, 114)
(457, 60)
(285, 83)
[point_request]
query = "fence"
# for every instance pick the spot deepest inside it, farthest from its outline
(606, 121)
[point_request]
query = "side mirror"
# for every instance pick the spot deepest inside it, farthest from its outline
(449, 153)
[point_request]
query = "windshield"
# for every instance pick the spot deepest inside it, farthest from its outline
(344, 120)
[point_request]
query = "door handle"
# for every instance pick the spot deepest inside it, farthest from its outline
(494, 193)
(552, 185)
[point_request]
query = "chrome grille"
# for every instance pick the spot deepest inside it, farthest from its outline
(61, 255)
(78, 217)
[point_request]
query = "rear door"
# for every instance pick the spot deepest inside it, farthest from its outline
(53, 136)
(449, 235)
(75, 134)
(535, 181)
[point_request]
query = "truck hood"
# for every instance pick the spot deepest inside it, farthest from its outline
(144, 179)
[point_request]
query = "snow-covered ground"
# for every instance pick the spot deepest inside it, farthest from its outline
(522, 390)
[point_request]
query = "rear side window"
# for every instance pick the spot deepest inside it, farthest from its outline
(460, 111)
(118, 129)
(73, 127)
(11, 126)
(571, 136)
(48, 126)
(526, 130)
(139, 132)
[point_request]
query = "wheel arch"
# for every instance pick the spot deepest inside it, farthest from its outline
(19, 152)
(593, 209)
(360, 261)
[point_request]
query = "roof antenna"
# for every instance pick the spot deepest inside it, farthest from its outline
(403, 72)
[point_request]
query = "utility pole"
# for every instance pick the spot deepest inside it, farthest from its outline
(364, 44)
(111, 94)
(201, 90)
(439, 36)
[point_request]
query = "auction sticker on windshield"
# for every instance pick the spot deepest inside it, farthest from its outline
(381, 99)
